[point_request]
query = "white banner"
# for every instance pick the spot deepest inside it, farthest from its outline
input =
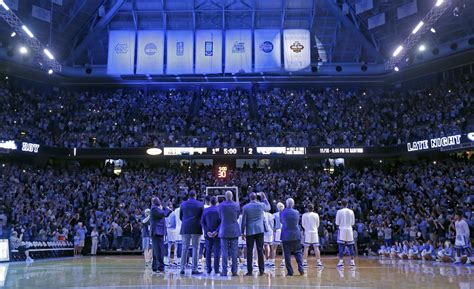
(407, 10)
(180, 49)
(150, 51)
(364, 5)
(208, 51)
(41, 13)
(121, 54)
(296, 49)
(238, 50)
(376, 21)
(267, 45)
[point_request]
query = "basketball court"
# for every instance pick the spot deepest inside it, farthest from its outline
(129, 272)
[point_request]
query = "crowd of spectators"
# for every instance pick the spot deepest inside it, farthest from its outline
(229, 118)
(414, 200)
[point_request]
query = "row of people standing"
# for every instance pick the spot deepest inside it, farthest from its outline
(222, 230)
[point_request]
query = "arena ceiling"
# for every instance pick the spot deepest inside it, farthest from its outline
(78, 32)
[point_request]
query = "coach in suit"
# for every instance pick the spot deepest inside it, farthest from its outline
(210, 222)
(229, 232)
(191, 230)
(291, 236)
(158, 232)
(253, 228)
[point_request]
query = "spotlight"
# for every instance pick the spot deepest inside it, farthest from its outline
(27, 31)
(421, 48)
(433, 30)
(23, 50)
(418, 26)
(397, 51)
(396, 69)
(439, 2)
(13, 34)
(50, 71)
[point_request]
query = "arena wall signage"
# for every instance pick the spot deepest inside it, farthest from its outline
(434, 143)
(470, 136)
(267, 49)
(150, 51)
(208, 51)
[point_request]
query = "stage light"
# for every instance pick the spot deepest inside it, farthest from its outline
(50, 71)
(421, 48)
(27, 31)
(4, 5)
(50, 56)
(13, 34)
(418, 26)
(23, 50)
(397, 51)
(396, 69)
(439, 2)
(433, 30)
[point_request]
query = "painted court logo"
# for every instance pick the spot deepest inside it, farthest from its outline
(179, 48)
(266, 46)
(121, 48)
(238, 47)
(150, 49)
(297, 47)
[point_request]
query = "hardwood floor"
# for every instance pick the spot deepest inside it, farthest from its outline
(130, 272)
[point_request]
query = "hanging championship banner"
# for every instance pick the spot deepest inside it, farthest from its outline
(150, 51)
(267, 47)
(208, 51)
(180, 49)
(238, 51)
(121, 54)
(296, 49)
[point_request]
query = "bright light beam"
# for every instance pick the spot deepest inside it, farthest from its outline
(439, 2)
(397, 51)
(27, 31)
(418, 26)
(4, 5)
(50, 56)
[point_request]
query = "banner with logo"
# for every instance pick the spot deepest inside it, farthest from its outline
(267, 45)
(121, 55)
(238, 50)
(150, 51)
(208, 51)
(296, 49)
(180, 49)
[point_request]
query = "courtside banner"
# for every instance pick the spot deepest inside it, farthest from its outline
(150, 51)
(238, 50)
(296, 49)
(267, 46)
(208, 51)
(180, 49)
(121, 55)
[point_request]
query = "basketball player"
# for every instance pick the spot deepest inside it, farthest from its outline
(461, 244)
(178, 239)
(146, 239)
(171, 237)
(276, 239)
(310, 223)
(242, 246)
(345, 220)
(268, 238)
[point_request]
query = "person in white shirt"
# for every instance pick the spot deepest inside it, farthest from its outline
(345, 237)
(461, 244)
(178, 239)
(277, 239)
(171, 236)
(95, 241)
(268, 237)
(310, 223)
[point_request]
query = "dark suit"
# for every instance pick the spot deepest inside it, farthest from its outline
(291, 238)
(210, 222)
(229, 233)
(190, 215)
(158, 231)
(253, 226)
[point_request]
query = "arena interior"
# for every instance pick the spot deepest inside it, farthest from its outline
(236, 144)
